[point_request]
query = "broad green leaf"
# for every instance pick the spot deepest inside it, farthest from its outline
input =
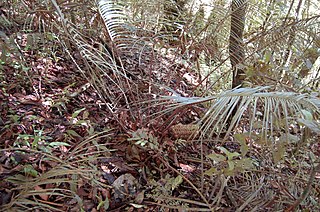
(229, 172)
(106, 204)
(244, 148)
(35, 141)
(216, 157)
(245, 163)
(240, 137)
(230, 165)
(230, 155)
(90, 130)
(82, 122)
(211, 171)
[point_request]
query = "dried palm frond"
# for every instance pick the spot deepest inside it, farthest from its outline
(120, 30)
(49, 190)
(276, 109)
(114, 19)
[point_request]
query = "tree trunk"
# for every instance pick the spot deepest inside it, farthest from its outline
(236, 48)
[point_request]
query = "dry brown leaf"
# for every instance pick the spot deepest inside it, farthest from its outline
(43, 196)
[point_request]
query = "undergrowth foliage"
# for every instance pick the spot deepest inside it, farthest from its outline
(126, 105)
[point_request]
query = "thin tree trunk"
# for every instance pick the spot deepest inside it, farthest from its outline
(236, 48)
(292, 35)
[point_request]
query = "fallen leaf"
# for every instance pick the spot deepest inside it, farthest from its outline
(187, 168)
(43, 196)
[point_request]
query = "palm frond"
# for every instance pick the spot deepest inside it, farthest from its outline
(275, 110)
(114, 19)
(122, 33)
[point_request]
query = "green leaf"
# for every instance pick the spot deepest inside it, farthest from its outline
(35, 141)
(228, 172)
(245, 163)
(105, 204)
(82, 122)
(216, 157)
(211, 171)
(267, 56)
(72, 133)
(176, 182)
(231, 165)
(76, 113)
(244, 149)
(230, 155)
(242, 139)
(90, 130)
(29, 170)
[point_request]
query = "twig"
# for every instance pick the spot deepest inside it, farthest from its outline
(306, 190)
(224, 182)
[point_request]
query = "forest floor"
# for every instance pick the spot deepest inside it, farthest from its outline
(49, 114)
(63, 150)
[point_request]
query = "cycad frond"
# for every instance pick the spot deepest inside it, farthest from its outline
(273, 109)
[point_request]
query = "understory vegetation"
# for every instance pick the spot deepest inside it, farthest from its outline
(165, 105)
